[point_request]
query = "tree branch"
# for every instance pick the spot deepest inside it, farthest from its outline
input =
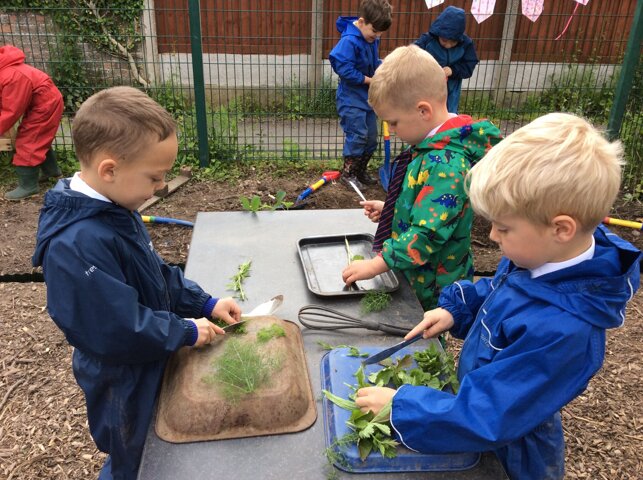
(120, 47)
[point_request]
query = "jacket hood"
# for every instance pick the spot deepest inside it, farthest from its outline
(598, 287)
(10, 55)
(63, 207)
(345, 26)
(450, 24)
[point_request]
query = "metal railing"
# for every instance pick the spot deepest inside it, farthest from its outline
(251, 79)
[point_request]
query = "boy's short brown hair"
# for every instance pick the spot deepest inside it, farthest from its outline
(120, 121)
(559, 164)
(407, 76)
(378, 13)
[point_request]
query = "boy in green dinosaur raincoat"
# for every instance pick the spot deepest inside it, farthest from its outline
(424, 226)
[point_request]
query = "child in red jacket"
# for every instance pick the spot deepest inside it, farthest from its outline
(29, 93)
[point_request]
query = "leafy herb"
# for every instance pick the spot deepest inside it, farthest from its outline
(434, 369)
(352, 351)
(374, 301)
(336, 454)
(237, 279)
(441, 365)
(241, 369)
(238, 330)
(270, 332)
(373, 432)
(254, 203)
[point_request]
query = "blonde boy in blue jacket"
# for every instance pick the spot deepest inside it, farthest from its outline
(535, 333)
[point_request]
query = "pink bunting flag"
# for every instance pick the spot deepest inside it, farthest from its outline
(532, 9)
(482, 9)
(433, 3)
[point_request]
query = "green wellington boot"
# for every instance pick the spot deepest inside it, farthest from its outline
(27, 184)
(49, 168)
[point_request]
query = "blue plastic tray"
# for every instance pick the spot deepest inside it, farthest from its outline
(337, 370)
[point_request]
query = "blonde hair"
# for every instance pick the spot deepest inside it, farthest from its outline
(407, 76)
(559, 164)
(120, 121)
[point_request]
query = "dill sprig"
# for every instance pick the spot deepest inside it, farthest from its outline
(236, 283)
(241, 369)
(374, 301)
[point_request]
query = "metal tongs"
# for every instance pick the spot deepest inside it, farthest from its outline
(318, 317)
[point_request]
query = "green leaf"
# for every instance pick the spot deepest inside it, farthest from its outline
(352, 351)
(366, 430)
(339, 401)
(385, 429)
(325, 346)
(364, 447)
(360, 375)
(279, 197)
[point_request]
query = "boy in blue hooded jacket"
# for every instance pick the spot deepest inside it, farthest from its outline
(354, 59)
(453, 50)
(119, 305)
(534, 335)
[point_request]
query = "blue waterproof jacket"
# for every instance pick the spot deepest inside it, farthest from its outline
(122, 309)
(352, 59)
(462, 58)
(531, 346)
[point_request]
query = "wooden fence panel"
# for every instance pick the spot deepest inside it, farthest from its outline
(597, 32)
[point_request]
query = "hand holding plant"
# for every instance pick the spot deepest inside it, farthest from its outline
(364, 269)
(374, 399)
(227, 310)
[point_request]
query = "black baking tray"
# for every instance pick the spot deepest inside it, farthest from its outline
(324, 257)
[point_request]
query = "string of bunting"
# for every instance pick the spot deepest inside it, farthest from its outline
(532, 9)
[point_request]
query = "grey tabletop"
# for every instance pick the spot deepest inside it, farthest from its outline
(221, 241)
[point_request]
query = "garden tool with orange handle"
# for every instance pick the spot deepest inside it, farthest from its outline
(326, 177)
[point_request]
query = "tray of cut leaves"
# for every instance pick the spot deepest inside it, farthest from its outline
(364, 443)
(324, 257)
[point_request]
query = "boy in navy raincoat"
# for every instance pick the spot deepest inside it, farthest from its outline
(119, 305)
(453, 50)
(354, 59)
(534, 333)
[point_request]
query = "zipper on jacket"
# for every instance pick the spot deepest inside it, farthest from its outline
(487, 300)
(150, 257)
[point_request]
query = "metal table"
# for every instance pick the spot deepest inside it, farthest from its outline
(221, 242)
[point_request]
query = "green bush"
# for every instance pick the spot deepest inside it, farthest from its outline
(68, 72)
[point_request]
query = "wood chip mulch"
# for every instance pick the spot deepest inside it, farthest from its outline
(44, 432)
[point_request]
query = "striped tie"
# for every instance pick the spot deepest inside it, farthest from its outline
(385, 225)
